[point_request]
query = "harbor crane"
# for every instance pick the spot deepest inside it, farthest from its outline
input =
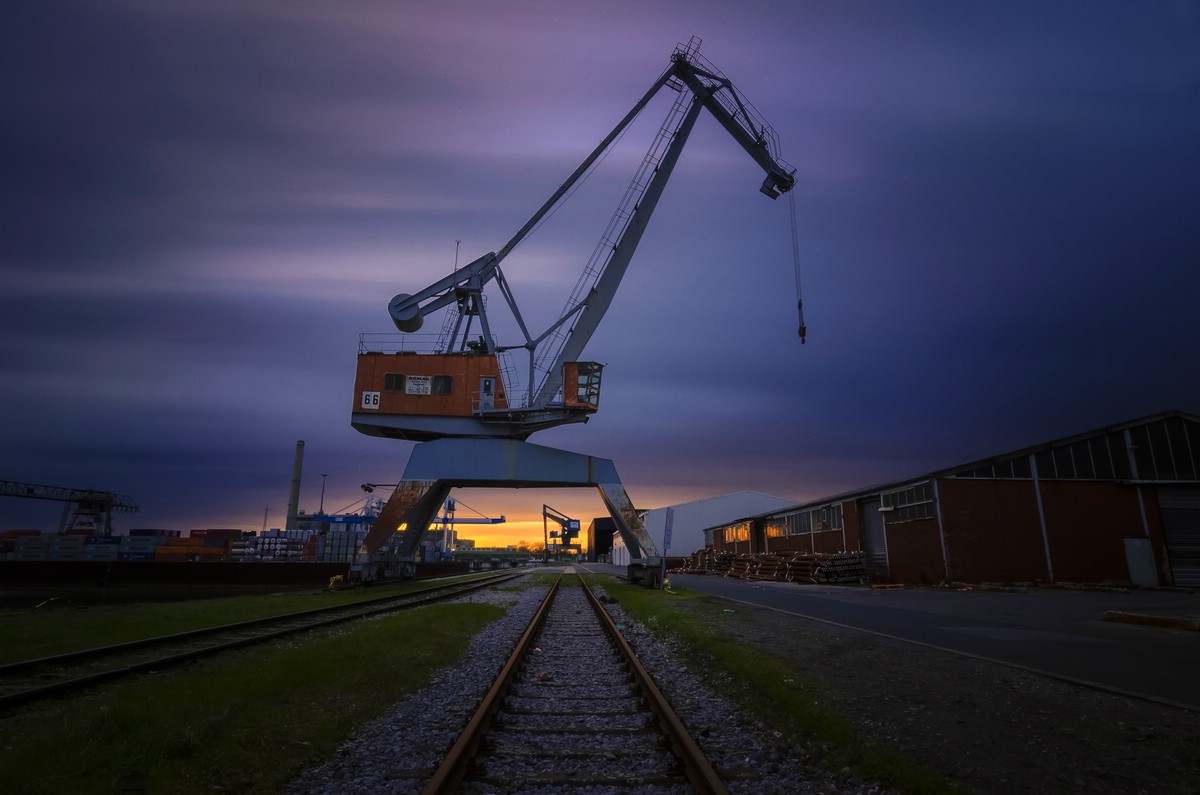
(564, 537)
(91, 507)
(466, 413)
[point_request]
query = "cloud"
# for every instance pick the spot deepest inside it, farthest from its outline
(206, 202)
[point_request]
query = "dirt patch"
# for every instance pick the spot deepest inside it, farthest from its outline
(988, 728)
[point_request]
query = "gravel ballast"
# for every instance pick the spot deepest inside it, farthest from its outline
(397, 752)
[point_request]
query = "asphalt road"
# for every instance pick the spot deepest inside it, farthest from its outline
(1056, 632)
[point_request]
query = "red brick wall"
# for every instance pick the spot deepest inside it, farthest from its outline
(915, 552)
(1087, 524)
(829, 541)
(800, 543)
(992, 531)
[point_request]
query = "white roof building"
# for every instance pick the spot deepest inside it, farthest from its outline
(690, 519)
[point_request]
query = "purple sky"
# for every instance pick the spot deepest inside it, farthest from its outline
(205, 202)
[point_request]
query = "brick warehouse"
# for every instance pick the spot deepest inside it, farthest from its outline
(1120, 503)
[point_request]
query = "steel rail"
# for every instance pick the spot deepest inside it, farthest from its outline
(310, 620)
(695, 766)
(450, 772)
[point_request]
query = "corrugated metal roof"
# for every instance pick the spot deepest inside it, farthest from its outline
(966, 467)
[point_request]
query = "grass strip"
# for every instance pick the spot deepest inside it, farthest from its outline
(49, 631)
(245, 722)
(785, 697)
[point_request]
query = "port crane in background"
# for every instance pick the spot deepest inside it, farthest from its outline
(469, 418)
(447, 517)
(83, 507)
(448, 520)
(564, 537)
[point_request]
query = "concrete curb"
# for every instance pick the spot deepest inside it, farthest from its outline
(1167, 622)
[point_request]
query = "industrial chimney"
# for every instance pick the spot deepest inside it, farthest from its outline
(294, 496)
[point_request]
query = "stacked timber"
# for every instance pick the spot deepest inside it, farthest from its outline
(767, 567)
(799, 568)
(695, 562)
(705, 561)
(827, 567)
(821, 567)
(740, 567)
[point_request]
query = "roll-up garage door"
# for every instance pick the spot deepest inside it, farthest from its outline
(1180, 509)
(874, 537)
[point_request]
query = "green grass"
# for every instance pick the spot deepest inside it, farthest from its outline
(784, 696)
(244, 722)
(49, 631)
(248, 722)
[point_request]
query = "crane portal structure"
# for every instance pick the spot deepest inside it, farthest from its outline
(464, 408)
(91, 508)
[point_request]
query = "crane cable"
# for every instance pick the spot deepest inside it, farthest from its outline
(796, 263)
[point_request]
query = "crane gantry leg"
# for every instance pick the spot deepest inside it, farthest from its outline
(437, 466)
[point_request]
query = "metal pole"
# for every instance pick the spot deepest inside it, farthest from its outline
(321, 510)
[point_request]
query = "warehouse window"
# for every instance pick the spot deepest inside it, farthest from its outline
(1097, 458)
(1167, 449)
(1014, 468)
(1081, 454)
(393, 382)
(738, 532)
(776, 527)
(827, 518)
(1119, 453)
(1102, 461)
(1021, 468)
(442, 384)
(1185, 448)
(1045, 464)
(907, 505)
(1064, 463)
(1164, 451)
(798, 523)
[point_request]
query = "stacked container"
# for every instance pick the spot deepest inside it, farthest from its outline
(104, 548)
(339, 546)
(141, 543)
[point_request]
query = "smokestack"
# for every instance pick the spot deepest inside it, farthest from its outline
(294, 497)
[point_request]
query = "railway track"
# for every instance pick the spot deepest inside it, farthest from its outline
(29, 681)
(574, 710)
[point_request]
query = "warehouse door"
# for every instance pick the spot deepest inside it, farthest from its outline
(1180, 509)
(874, 537)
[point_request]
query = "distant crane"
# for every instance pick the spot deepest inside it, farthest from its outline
(81, 504)
(448, 519)
(567, 532)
